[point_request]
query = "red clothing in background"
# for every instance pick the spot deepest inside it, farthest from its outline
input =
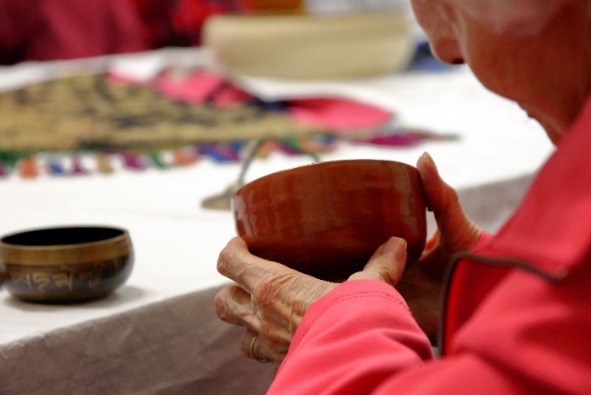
(178, 22)
(517, 315)
(66, 29)
(62, 29)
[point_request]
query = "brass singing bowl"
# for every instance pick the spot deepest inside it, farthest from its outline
(65, 264)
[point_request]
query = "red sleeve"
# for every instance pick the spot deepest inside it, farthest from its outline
(351, 340)
(484, 238)
(361, 339)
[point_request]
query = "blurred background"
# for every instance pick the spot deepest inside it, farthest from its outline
(146, 114)
(66, 29)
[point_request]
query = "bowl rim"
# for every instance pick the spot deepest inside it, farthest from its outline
(323, 163)
(51, 255)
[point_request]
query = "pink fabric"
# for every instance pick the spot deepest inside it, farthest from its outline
(199, 87)
(337, 114)
(517, 318)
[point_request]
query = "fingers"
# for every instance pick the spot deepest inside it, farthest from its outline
(257, 347)
(268, 298)
(275, 318)
(436, 190)
(456, 230)
(231, 262)
(234, 305)
(386, 264)
(238, 264)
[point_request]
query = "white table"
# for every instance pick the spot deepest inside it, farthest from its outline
(158, 333)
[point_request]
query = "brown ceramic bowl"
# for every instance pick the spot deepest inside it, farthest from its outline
(65, 264)
(327, 219)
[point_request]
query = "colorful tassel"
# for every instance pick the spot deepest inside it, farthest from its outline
(103, 163)
(266, 148)
(220, 152)
(54, 166)
(133, 161)
(318, 144)
(157, 161)
(289, 147)
(77, 167)
(28, 167)
(3, 171)
(10, 159)
(185, 157)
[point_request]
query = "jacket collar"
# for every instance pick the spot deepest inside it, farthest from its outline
(551, 229)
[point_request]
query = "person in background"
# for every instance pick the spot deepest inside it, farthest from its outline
(515, 316)
(57, 29)
(39, 30)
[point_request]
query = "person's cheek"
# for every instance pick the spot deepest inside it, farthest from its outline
(420, 11)
(436, 19)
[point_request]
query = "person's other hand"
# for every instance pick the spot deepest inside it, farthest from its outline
(270, 299)
(421, 285)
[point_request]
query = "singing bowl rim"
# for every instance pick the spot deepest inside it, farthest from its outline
(65, 254)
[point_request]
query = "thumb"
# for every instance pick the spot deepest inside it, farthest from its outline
(386, 264)
(455, 230)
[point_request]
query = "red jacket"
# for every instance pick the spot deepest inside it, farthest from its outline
(517, 315)
(68, 29)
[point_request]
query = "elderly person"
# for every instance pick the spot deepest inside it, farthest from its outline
(515, 315)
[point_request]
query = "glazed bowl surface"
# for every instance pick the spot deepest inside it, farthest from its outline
(65, 264)
(327, 219)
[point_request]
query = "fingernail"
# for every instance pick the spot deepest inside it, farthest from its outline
(428, 160)
(393, 246)
(428, 171)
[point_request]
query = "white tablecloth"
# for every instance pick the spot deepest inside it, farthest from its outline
(158, 333)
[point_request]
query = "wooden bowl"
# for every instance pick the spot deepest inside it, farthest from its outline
(65, 264)
(327, 219)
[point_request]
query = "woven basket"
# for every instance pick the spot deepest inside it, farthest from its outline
(302, 46)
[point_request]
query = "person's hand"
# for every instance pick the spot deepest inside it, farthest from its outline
(421, 285)
(270, 299)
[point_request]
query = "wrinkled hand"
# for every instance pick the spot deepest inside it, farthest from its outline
(422, 283)
(270, 299)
